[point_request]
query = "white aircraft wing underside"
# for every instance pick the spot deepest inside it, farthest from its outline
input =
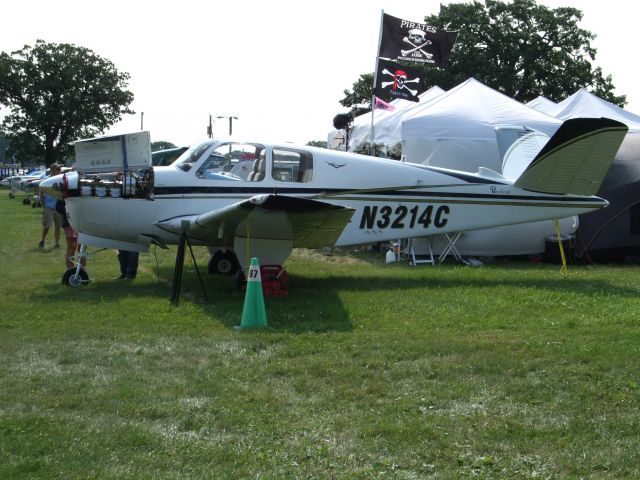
(308, 223)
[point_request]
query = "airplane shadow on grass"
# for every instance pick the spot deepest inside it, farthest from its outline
(314, 304)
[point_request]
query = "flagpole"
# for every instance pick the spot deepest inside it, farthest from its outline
(373, 91)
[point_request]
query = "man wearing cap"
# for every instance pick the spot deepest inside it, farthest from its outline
(50, 215)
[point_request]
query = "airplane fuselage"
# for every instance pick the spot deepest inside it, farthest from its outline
(390, 199)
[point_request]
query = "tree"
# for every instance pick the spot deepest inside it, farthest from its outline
(58, 93)
(317, 143)
(161, 145)
(520, 49)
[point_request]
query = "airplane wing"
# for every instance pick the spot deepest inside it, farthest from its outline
(308, 223)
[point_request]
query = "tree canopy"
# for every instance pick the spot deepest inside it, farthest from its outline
(521, 49)
(58, 93)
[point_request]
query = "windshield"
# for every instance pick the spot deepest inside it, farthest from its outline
(192, 155)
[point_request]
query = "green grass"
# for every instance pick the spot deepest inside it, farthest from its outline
(367, 370)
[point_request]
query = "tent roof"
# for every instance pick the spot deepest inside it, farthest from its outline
(586, 104)
(362, 124)
(542, 104)
(472, 110)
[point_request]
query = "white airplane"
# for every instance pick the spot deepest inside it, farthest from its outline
(299, 196)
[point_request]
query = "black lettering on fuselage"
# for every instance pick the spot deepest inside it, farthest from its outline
(387, 217)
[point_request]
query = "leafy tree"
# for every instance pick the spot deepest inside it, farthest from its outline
(58, 93)
(161, 145)
(521, 49)
(317, 143)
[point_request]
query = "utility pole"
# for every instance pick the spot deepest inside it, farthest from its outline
(231, 119)
(141, 120)
(210, 127)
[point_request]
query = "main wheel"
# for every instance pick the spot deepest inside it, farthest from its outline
(224, 263)
(75, 280)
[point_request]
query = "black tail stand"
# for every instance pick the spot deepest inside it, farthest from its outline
(177, 272)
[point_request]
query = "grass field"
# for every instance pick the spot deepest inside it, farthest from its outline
(368, 370)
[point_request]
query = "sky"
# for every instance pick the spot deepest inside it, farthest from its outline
(280, 67)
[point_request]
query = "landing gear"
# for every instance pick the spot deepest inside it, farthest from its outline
(77, 275)
(74, 277)
(224, 263)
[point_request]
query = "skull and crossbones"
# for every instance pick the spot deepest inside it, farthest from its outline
(399, 81)
(417, 39)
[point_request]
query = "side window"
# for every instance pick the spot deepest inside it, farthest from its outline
(292, 165)
(232, 161)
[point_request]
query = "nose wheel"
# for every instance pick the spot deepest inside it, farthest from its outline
(77, 275)
(74, 277)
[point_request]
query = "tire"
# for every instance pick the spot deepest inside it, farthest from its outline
(224, 263)
(70, 278)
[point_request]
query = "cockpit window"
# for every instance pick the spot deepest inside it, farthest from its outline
(192, 155)
(231, 161)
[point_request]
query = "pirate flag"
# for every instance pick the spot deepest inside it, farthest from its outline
(394, 81)
(415, 42)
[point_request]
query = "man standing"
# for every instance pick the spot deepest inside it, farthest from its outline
(128, 264)
(50, 215)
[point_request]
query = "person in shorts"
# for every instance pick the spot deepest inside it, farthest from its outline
(70, 235)
(50, 216)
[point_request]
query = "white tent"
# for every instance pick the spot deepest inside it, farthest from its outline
(457, 129)
(542, 104)
(586, 104)
(385, 120)
(362, 126)
(387, 125)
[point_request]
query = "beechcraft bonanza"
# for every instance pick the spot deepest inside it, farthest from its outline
(245, 200)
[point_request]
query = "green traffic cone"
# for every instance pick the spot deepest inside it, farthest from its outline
(253, 313)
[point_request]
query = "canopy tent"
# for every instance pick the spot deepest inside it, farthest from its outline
(542, 104)
(387, 127)
(362, 125)
(586, 104)
(458, 129)
(360, 135)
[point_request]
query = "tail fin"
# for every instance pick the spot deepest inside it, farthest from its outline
(576, 159)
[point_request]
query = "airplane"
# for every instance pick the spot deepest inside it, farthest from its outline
(249, 199)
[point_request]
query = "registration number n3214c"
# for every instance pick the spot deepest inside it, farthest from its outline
(403, 217)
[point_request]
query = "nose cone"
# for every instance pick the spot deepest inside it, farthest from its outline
(54, 186)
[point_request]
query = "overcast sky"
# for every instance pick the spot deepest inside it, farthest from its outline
(279, 66)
